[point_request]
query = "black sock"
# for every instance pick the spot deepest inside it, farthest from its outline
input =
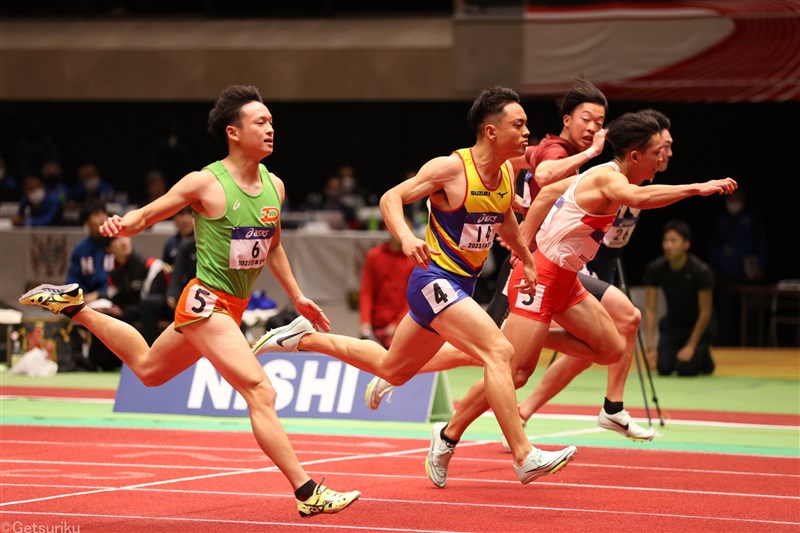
(306, 491)
(71, 311)
(612, 408)
(447, 440)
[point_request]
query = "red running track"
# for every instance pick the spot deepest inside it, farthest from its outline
(120, 480)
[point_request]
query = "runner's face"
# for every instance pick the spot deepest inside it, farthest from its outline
(674, 245)
(666, 150)
(256, 133)
(647, 160)
(512, 132)
(585, 120)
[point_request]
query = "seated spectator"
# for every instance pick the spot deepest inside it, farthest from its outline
(53, 179)
(382, 300)
(138, 288)
(184, 223)
(686, 332)
(91, 185)
(173, 157)
(90, 262)
(184, 270)
(331, 200)
(37, 207)
(354, 195)
(737, 256)
(155, 186)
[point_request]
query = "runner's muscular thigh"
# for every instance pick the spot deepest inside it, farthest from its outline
(469, 328)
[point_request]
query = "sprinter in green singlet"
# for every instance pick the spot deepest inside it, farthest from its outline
(237, 206)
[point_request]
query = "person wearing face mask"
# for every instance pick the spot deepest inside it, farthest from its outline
(53, 179)
(91, 186)
(737, 255)
(37, 207)
(686, 332)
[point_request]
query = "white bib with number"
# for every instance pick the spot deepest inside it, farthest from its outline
(249, 247)
(478, 231)
(622, 227)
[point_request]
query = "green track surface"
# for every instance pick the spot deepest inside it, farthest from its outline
(712, 393)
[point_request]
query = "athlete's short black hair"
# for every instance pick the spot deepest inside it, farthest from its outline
(227, 109)
(631, 131)
(490, 102)
(680, 227)
(582, 92)
(90, 207)
(663, 122)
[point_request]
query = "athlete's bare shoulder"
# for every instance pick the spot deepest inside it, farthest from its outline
(279, 186)
(202, 189)
(442, 169)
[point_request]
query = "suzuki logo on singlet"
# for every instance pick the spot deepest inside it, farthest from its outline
(270, 214)
(479, 193)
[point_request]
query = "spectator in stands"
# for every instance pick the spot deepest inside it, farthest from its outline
(183, 270)
(331, 200)
(155, 185)
(737, 255)
(91, 185)
(38, 207)
(184, 224)
(686, 332)
(382, 300)
(354, 195)
(137, 289)
(53, 179)
(173, 157)
(90, 263)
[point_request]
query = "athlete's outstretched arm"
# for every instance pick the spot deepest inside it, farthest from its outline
(617, 188)
(278, 264)
(188, 190)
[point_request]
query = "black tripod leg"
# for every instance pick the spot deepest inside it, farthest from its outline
(638, 352)
(649, 378)
(641, 384)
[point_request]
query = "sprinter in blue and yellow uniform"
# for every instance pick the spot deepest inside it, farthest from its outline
(470, 194)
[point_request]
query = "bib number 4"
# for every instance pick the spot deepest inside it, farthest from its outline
(439, 294)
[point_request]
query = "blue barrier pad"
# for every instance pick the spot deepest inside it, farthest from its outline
(308, 385)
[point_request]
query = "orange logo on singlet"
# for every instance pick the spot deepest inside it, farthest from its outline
(270, 214)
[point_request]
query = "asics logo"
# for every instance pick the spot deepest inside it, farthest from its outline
(256, 232)
(236, 205)
(490, 219)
